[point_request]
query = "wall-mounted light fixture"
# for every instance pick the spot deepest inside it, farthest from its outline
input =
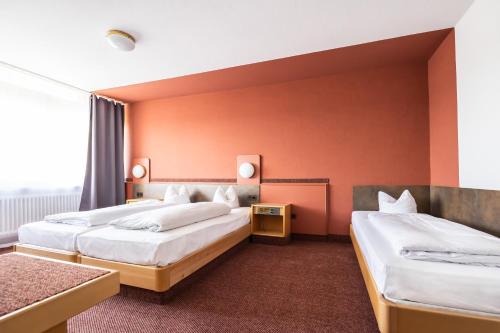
(140, 170)
(246, 170)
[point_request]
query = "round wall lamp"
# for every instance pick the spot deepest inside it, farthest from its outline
(246, 170)
(138, 171)
(120, 40)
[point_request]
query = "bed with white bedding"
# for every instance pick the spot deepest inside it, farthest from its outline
(424, 273)
(60, 231)
(144, 247)
(429, 238)
(154, 245)
(57, 236)
(427, 283)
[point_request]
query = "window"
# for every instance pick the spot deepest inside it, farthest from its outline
(43, 132)
(43, 148)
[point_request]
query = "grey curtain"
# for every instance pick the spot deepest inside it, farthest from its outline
(104, 176)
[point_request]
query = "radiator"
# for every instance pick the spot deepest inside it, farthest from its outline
(18, 209)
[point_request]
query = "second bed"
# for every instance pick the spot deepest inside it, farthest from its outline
(419, 296)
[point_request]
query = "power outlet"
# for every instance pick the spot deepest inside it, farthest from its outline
(252, 198)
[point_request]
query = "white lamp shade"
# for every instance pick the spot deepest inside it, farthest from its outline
(246, 170)
(138, 171)
(120, 40)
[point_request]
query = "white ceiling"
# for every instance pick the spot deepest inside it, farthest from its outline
(65, 40)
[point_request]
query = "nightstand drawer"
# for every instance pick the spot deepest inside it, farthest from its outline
(261, 210)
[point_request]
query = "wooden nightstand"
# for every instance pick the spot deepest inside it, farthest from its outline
(271, 223)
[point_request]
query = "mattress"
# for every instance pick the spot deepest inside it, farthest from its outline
(159, 248)
(52, 235)
(448, 285)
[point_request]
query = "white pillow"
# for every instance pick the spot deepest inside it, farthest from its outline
(177, 198)
(230, 198)
(404, 205)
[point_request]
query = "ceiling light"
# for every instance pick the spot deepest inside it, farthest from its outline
(120, 40)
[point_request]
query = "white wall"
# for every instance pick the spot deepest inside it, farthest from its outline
(478, 84)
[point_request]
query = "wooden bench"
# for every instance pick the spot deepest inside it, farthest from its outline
(40, 294)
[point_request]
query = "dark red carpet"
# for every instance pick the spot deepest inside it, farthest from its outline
(301, 287)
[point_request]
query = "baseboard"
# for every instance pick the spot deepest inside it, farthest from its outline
(310, 237)
(322, 238)
(339, 238)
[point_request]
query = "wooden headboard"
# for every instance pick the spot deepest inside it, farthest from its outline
(479, 209)
(247, 194)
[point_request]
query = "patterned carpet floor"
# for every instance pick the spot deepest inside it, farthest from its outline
(302, 287)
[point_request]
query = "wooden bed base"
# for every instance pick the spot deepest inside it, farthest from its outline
(47, 252)
(154, 278)
(402, 318)
(161, 279)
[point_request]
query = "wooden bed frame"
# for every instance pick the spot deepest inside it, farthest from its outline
(47, 252)
(158, 279)
(394, 317)
(161, 279)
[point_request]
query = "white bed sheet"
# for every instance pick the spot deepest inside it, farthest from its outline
(159, 248)
(453, 286)
(52, 235)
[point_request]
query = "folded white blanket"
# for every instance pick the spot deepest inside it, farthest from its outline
(103, 215)
(172, 217)
(428, 238)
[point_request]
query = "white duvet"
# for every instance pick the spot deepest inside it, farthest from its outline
(102, 216)
(172, 217)
(428, 238)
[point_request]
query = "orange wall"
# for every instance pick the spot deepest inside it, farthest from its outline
(443, 129)
(360, 127)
